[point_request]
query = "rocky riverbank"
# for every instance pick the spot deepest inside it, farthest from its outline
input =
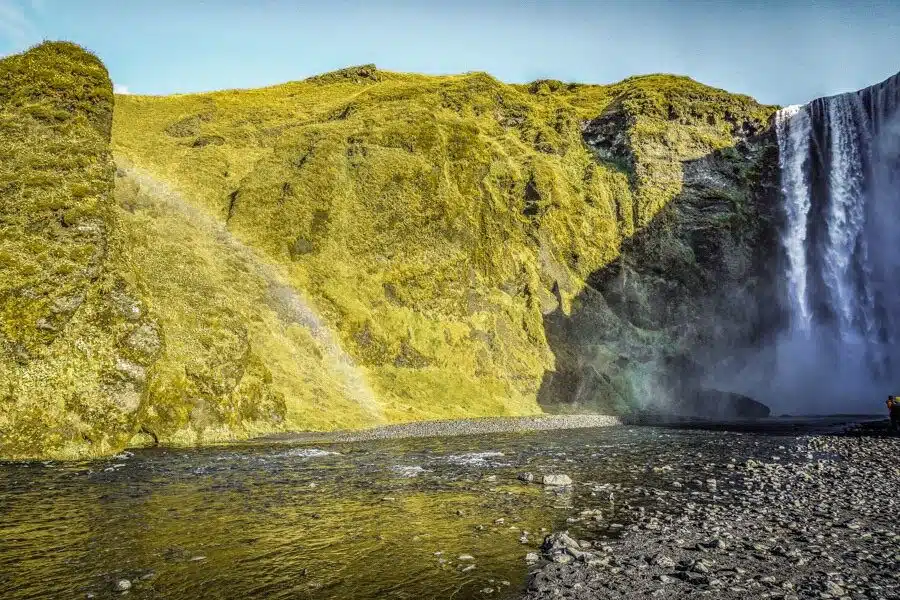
(452, 428)
(819, 520)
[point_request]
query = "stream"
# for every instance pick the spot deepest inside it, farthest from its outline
(414, 518)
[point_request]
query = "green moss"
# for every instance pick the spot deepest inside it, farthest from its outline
(430, 219)
(233, 364)
(432, 223)
(122, 310)
(59, 331)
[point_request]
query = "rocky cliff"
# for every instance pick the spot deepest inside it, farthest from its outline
(694, 288)
(75, 337)
(367, 246)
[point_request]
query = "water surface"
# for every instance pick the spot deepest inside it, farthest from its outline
(382, 519)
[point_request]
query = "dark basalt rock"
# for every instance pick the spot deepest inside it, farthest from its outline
(721, 405)
(684, 294)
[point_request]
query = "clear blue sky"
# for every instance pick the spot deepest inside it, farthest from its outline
(779, 52)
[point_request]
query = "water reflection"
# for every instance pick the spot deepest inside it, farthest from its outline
(435, 518)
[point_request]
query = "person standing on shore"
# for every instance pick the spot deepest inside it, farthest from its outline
(893, 406)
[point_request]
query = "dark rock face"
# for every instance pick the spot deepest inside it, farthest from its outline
(719, 404)
(607, 135)
(689, 291)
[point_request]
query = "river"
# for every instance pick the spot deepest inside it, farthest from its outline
(414, 518)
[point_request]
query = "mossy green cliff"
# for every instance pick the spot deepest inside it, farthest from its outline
(76, 340)
(365, 247)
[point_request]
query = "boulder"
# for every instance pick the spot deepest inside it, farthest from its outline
(712, 403)
(556, 480)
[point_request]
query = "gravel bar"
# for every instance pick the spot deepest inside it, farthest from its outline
(822, 520)
(421, 429)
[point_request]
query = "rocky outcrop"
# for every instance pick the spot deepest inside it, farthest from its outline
(688, 288)
(77, 342)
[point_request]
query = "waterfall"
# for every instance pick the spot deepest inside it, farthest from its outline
(839, 160)
(793, 128)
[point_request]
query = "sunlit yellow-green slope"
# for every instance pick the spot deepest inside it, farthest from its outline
(356, 248)
(430, 219)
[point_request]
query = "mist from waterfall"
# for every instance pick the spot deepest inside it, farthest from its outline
(839, 161)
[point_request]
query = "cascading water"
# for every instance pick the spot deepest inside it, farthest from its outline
(839, 160)
(794, 129)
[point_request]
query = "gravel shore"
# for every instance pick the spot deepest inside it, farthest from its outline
(451, 428)
(819, 520)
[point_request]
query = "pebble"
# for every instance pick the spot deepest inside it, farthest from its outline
(818, 522)
(427, 429)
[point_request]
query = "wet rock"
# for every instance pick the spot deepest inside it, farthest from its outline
(722, 405)
(664, 561)
(559, 541)
(778, 530)
(700, 567)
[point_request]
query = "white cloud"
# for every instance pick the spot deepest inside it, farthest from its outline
(118, 88)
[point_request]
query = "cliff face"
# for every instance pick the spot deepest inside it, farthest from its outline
(456, 246)
(692, 290)
(76, 340)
